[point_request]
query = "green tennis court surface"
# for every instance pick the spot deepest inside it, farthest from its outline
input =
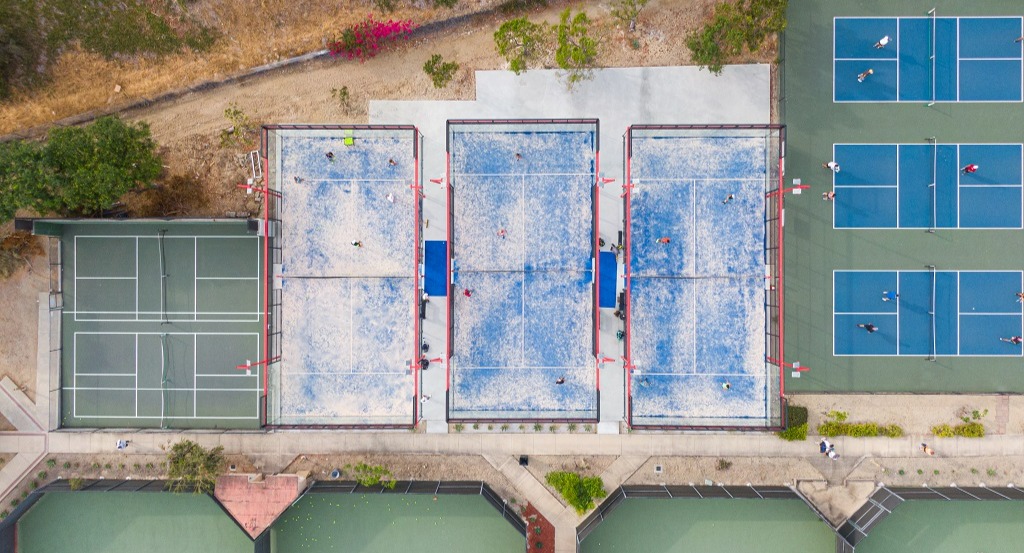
(710, 526)
(386, 523)
(814, 250)
(128, 522)
(948, 527)
(157, 316)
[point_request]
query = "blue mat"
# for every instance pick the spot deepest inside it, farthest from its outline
(435, 263)
(606, 296)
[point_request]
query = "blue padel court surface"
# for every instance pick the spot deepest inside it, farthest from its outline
(522, 227)
(347, 276)
(928, 59)
(696, 280)
(936, 313)
(924, 186)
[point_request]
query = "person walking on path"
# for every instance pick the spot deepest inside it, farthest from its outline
(122, 445)
(882, 42)
(1015, 340)
(927, 450)
(970, 168)
(828, 196)
(868, 327)
(357, 243)
(824, 445)
(467, 292)
(831, 166)
(889, 295)
(864, 75)
(664, 240)
(729, 198)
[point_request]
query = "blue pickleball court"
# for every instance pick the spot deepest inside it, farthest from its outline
(935, 313)
(928, 59)
(923, 186)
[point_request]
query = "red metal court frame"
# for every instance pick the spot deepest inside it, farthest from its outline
(595, 250)
(774, 257)
(273, 255)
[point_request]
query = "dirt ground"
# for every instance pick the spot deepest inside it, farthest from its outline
(917, 414)
(19, 321)
(411, 467)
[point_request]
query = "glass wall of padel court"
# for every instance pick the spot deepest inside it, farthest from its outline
(703, 276)
(719, 519)
(118, 516)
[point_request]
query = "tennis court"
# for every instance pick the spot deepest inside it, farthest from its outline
(696, 275)
(936, 313)
(347, 274)
(522, 227)
(928, 59)
(925, 186)
(157, 317)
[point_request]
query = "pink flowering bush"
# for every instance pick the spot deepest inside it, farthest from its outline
(366, 39)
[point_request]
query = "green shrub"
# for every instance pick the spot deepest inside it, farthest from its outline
(441, 72)
(193, 466)
(626, 11)
(942, 431)
(794, 433)
(537, 427)
(965, 430)
(459, 427)
(891, 431)
(373, 475)
(4, 513)
(579, 492)
(51, 463)
(243, 131)
(76, 483)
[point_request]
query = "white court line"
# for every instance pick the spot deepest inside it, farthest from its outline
(195, 371)
(524, 175)
(957, 63)
(227, 278)
(136, 375)
(104, 278)
(522, 258)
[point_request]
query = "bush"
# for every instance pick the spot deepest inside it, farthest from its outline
(626, 11)
(76, 483)
(734, 27)
(891, 431)
(518, 41)
(42, 474)
(440, 71)
(794, 433)
(837, 426)
(577, 492)
(965, 430)
(368, 38)
(722, 464)
(576, 51)
(373, 475)
(193, 467)
(51, 463)
(243, 132)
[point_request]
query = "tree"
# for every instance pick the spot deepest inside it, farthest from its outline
(440, 71)
(193, 467)
(22, 177)
(627, 11)
(373, 475)
(93, 166)
(733, 27)
(576, 51)
(23, 47)
(517, 41)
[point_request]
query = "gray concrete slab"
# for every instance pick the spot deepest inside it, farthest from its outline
(617, 97)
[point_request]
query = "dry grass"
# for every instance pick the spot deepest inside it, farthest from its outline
(252, 33)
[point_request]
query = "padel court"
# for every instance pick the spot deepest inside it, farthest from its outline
(697, 275)
(158, 317)
(522, 225)
(928, 59)
(346, 270)
(925, 186)
(936, 313)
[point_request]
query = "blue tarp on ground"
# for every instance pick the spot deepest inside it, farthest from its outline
(435, 263)
(608, 278)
